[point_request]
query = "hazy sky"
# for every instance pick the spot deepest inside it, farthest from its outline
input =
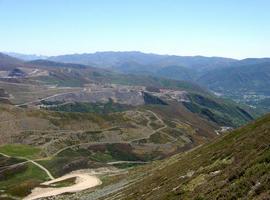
(230, 28)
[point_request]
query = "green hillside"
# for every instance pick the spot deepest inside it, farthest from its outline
(235, 166)
(220, 111)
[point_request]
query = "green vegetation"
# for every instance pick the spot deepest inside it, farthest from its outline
(262, 106)
(17, 175)
(19, 150)
(74, 77)
(235, 166)
(63, 79)
(20, 180)
(224, 113)
(246, 82)
(70, 160)
(91, 157)
(157, 138)
(150, 99)
(100, 108)
(127, 165)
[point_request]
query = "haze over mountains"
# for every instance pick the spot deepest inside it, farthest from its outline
(242, 80)
(118, 110)
(108, 106)
(136, 62)
(113, 60)
(26, 57)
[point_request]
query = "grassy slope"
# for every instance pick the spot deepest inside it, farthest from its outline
(82, 107)
(20, 181)
(220, 111)
(77, 120)
(235, 166)
(18, 177)
(19, 150)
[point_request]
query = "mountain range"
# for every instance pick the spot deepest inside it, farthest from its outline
(241, 80)
(144, 132)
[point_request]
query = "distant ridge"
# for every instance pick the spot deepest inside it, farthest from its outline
(8, 62)
(26, 57)
(112, 59)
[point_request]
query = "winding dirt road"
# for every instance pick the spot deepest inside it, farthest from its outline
(42, 99)
(83, 181)
(122, 142)
(154, 131)
(126, 162)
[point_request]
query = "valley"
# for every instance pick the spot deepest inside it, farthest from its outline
(69, 128)
(240, 80)
(134, 100)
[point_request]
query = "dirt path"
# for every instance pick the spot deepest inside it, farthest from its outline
(5, 155)
(83, 181)
(93, 143)
(128, 162)
(43, 168)
(86, 143)
(33, 162)
(45, 98)
(126, 142)
(155, 116)
(154, 131)
(169, 136)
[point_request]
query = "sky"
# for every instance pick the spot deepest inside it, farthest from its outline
(227, 28)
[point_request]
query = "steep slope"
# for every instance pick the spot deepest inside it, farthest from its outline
(220, 111)
(235, 166)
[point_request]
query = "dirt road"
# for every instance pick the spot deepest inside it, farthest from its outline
(83, 181)
(43, 99)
